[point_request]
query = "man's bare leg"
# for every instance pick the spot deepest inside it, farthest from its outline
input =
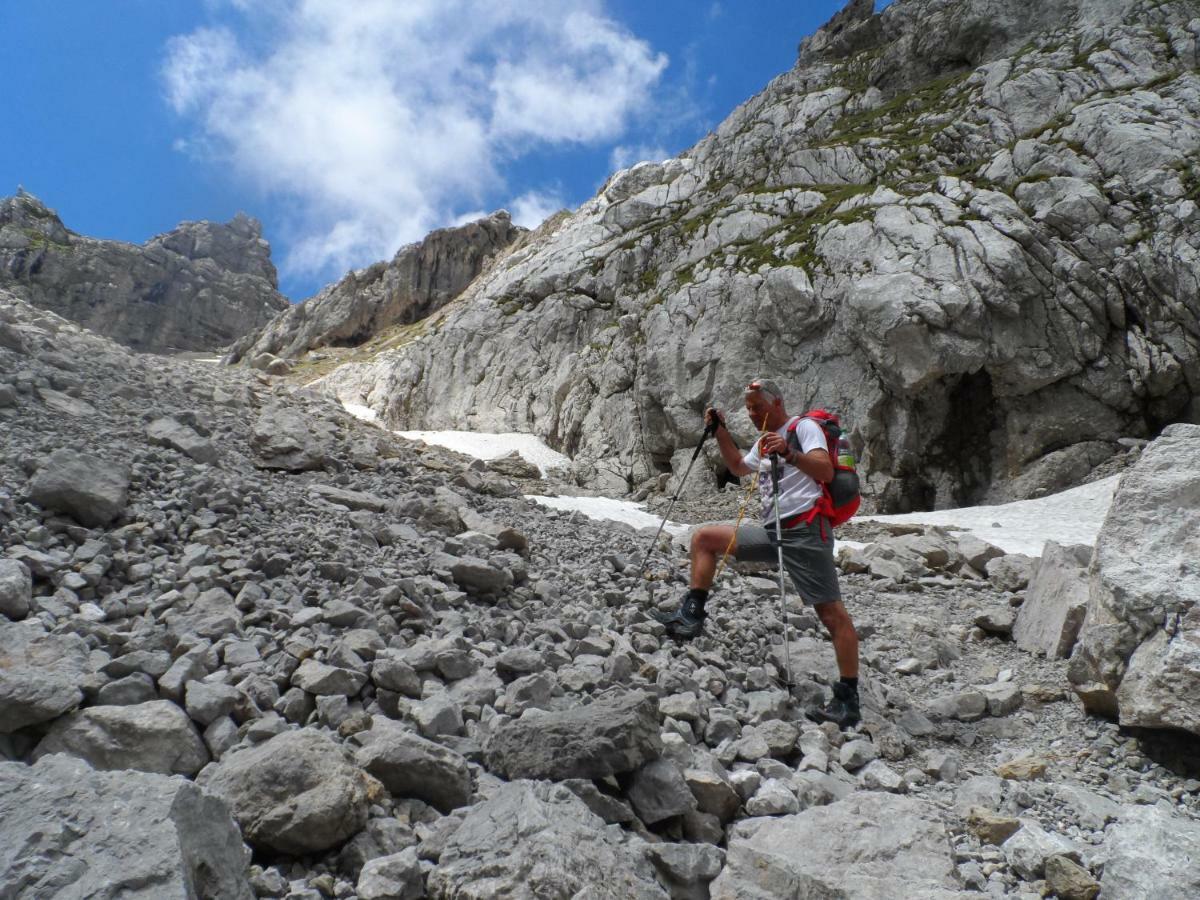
(836, 618)
(708, 546)
(843, 709)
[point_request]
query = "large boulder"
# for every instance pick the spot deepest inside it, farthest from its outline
(167, 432)
(1138, 658)
(868, 845)
(1152, 855)
(90, 490)
(156, 736)
(411, 766)
(295, 793)
(536, 839)
(1049, 620)
(614, 734)
(40, 675)
(16, 589)
(285, 439)
(67, 831)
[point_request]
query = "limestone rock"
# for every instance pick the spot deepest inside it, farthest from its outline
(87, 488)
(143, 836)
(610, 736)
(1049, 620)
(40, 675)
(539, 839)
(16, 589)
(394, 877)
(419, 280)
(167, 432)
(1152, 854)
(150, 737)
(899, 846)
(1137, 657)
(198, 287)
(283, 439)
(409, 765)
(295, 793)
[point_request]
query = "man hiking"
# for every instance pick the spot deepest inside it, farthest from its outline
(807, 539)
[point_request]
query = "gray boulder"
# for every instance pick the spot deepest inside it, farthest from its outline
(535, 839)
(295, 793)
(411, 766)
(1138, 658)
(659, 791)
(394, 877)
(868, 845)
(72, 833)
(614, 734)
(40, 675)
(167, 432)
(1049, 620)
(16, 589)
(91, 490)
(284, 439)
(1152, 855)
(151, 737)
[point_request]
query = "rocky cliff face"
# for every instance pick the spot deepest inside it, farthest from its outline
(421, 279)
(198, 287)
(970, 227)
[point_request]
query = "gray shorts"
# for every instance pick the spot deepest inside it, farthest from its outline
(807, 559)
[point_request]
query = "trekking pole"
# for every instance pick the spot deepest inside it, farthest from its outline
(709, 429)
(787, 651)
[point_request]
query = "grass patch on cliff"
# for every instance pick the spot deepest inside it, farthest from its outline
(308, 369)
(901, 110)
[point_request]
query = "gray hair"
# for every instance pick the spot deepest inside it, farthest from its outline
(764, 386)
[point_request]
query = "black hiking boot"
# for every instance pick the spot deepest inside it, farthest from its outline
(687, 622)
(842, 710)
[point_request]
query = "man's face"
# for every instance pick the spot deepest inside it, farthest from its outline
(759, 406)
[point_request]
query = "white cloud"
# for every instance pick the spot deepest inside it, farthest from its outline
(533, 208)
(379, 120)
(623, 156)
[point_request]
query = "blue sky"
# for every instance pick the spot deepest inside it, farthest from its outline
(352, 128)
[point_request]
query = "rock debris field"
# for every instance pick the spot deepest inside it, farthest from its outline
(253, 647)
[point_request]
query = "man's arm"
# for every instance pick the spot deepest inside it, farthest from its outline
(729, 450)
(816, 464)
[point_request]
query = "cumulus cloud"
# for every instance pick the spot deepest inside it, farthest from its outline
(378, 121)
(623, 156)
(533, 208)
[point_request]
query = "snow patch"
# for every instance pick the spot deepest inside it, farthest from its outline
(493, 446)
(625, 511)
(361, 412)
(1070, 517)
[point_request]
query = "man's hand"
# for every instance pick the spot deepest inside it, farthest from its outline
(714, 419)
(774, 443)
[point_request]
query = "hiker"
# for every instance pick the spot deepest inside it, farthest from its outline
(807, 538)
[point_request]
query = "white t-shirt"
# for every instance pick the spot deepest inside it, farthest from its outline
(797, 491)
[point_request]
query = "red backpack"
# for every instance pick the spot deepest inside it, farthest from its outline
(840, 497)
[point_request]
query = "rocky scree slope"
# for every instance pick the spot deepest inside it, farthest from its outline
(198, 287)
(969, 227)
(390, 675)
(380, 300)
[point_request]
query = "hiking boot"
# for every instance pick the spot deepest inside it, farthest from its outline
(688, 621)
(842, 710)
(672, 617)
